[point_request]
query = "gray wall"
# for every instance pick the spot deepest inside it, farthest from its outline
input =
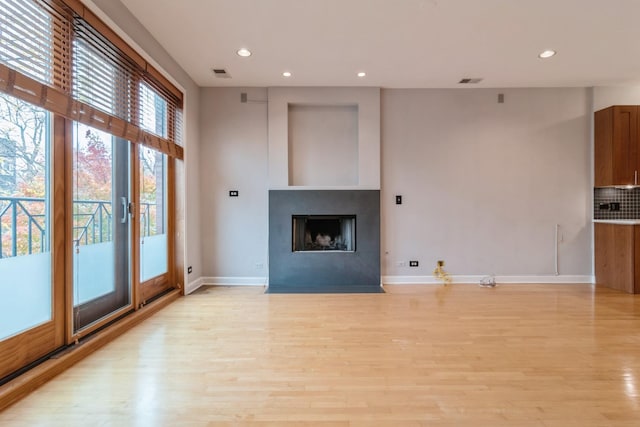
(483, 183)
(606, 96)
(234, 157)
(188, 191)
(323, 145)
(367, 100)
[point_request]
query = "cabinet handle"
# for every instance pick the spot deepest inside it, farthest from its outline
(635, 178)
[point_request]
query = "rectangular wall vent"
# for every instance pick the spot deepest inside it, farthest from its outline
(221, 73)
(470, 81)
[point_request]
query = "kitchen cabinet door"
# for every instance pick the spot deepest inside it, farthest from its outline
(625, 145)
(603, 147)
(616, 149)
(617, 256)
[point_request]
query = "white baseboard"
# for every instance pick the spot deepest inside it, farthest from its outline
(402, 280)
(430, 280)
(192, 286)
(234, 281)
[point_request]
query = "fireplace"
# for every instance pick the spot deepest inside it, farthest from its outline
(324, 233)
(324, 241)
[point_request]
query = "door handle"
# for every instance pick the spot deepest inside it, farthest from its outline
(125, 207)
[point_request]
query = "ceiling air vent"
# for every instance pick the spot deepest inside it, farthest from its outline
(469, 81)
(221, 73)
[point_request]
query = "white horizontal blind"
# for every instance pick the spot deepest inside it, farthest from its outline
(153, 111)
(34, 38)
(178, 134)
(160, 111)
(102, 78)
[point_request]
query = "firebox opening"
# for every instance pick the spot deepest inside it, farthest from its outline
(324, 233)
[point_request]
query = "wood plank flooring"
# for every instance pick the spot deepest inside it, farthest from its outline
(515, 355)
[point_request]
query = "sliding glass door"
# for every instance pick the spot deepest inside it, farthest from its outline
(26, 239)
(153, 214)
(101, 226)
(153, 171)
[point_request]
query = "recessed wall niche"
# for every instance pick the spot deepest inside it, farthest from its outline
(304, 164)
(323, 145)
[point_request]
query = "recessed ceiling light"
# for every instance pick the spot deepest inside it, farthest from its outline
(286, 74)
(547, 54)
(244, 52)
(362, 74)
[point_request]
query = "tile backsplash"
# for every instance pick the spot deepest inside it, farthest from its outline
(629, 200)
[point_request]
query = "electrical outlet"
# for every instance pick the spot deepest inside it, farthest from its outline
(259, 266)
(233, 193)
(398, 200)
(615, 206)
(189, 269)
(413, 263)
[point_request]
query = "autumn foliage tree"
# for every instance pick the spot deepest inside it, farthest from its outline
(23, 132)
(92, 161)
(25, 135)
(25, 143)
(23, 148)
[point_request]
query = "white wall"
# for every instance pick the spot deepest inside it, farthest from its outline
(188, 193)
(606, 96)
(234, 157)
(483, 183)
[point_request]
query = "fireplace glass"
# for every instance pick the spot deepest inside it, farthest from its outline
(322, 233)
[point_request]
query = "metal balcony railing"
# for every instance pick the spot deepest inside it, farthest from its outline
(19, 220)
(91, 222)
(23, 224)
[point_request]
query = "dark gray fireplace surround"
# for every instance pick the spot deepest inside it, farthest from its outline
(324, 271)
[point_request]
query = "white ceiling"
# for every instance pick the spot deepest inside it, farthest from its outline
(400, 43)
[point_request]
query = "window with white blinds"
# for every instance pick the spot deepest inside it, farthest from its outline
(26, 33)
(63, 58)
(159, 112)
(153, 111)
(99, 81)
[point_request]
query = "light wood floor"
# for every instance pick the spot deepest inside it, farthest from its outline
(516, 355)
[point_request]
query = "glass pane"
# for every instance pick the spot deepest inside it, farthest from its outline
(153, 214)
(98, 79)
(25, 247)
(100, 224)
(153, 111)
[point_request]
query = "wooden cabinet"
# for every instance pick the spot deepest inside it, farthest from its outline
(617, 256)
(617, 149)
